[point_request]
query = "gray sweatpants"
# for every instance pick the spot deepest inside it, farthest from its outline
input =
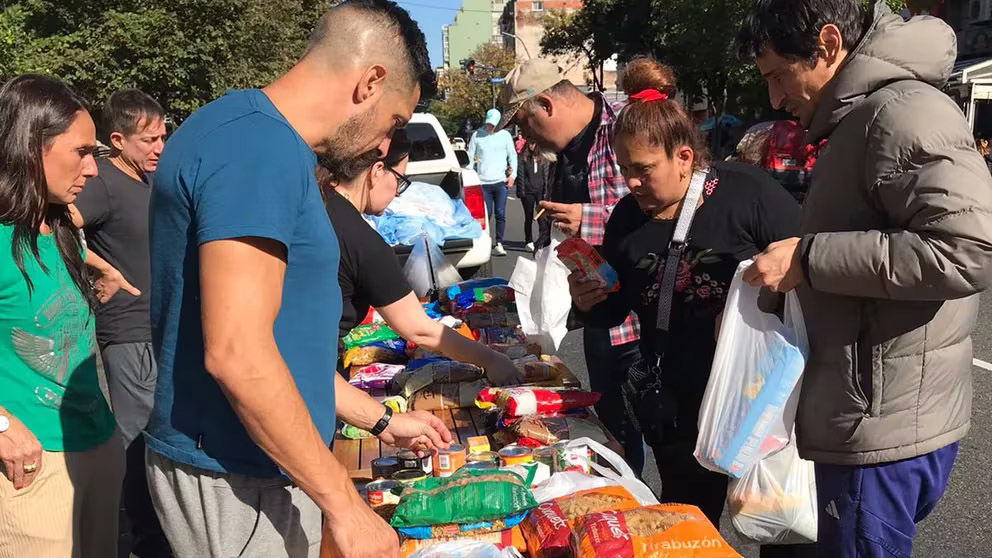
(212, 515)
(131, 375)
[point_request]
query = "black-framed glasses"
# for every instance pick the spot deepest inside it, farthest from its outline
(402, 181)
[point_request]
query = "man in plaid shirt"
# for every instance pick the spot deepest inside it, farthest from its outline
(586, 185)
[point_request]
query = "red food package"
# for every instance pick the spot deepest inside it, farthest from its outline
(579, 256)
(663, 531)
(522, 401)
(548, 527)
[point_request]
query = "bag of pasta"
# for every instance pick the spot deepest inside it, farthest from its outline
(663, 531)
(548, 528)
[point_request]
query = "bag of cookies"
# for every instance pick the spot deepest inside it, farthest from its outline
(663, 531)
(548, 528)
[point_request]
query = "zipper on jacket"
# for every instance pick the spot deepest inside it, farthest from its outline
(863, 375)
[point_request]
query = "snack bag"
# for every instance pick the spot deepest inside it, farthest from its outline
(468, 502)
(548, 529)
(502, 336)
(449, 294)
(579, 256)
(537, 371)
(509, 538)
(663, 531)
(375, 376)
(365, 335)
(523, 401)
(492, 319)
(551, 430)
(416, 378)
(371, 354)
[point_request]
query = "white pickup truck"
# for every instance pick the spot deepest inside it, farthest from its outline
(434, 160)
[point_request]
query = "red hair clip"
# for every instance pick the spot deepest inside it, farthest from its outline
(649, 95)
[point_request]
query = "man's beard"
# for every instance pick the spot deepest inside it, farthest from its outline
(337, 153)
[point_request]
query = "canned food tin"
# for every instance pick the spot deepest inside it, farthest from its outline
(381, 492)
(515, 455)
(384, 467)
(480, 466)
(547, 455)
(447, 461)
(408, 477)
(574, 458)
(483, 457)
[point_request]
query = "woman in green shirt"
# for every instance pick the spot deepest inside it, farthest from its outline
(62, 464)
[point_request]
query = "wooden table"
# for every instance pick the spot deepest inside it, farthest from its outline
(357, 455)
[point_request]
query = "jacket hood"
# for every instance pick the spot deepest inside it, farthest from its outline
(923, 49)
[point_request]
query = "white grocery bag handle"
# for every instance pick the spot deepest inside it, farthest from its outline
(626, 477)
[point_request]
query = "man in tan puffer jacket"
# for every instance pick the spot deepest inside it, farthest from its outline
(896, 245)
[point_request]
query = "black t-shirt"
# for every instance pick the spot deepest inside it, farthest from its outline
(369, 273)
(114, 208)
(744, 210)
(571, 180)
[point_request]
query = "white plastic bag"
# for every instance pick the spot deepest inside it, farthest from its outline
(542, 298)
(466, 549)
(749, 406)
(427, 268)
(775, 501)
(570, 482)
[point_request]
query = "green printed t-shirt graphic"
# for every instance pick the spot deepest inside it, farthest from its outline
(48, 375)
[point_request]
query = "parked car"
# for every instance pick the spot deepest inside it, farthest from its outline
(434, 160)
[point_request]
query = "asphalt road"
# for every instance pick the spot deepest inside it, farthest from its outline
(958, 527)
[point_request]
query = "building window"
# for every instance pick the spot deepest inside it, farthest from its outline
(537, 6)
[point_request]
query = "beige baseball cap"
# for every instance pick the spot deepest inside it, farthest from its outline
(524, 82)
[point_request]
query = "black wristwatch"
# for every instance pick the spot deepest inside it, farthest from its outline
(380, 426)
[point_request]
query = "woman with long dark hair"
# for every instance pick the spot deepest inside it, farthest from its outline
(738, 211)
(62, 465)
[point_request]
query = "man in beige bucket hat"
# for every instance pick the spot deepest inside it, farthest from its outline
(585, 185)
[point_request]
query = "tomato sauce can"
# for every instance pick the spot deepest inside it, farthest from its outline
(383, 492)
(447, 461)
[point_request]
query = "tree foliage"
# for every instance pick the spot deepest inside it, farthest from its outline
(468, 97)
(182, 52)
(695, 37)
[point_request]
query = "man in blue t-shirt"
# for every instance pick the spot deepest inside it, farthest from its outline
(245, 302)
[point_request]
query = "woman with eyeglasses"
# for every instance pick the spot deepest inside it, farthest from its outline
(369, 272)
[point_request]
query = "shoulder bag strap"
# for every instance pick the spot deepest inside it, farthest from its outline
(676, 247)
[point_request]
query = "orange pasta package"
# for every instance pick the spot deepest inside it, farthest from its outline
(663, 531)
(548, 527)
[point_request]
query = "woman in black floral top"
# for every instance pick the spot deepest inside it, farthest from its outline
(742, 210)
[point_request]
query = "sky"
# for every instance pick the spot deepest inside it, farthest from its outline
(431, 15)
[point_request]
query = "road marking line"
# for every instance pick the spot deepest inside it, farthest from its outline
(982, 364)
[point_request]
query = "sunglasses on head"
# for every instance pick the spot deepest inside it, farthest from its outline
(402, 181)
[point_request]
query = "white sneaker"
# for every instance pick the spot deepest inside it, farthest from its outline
(529, 246)
(498, 250)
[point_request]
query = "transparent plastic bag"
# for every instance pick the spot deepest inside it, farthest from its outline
(749, 407)
(543, 302)
(775, 501)
(427, 270)
(570, 482)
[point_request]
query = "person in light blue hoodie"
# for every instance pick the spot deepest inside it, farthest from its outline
(494, 157)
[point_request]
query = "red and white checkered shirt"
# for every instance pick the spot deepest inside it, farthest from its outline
(606, 188)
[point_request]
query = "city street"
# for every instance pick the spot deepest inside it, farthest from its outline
(959, 526)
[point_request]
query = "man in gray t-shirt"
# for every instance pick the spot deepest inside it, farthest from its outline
(112, 210)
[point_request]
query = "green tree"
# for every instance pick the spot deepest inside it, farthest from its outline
(182, 52)
(468, 97)
(588, 32)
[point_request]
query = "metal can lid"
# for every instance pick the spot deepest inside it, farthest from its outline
(546, 451)
(480, 465)
(453, 448)
(409, 475)
(385, 462)
(515, 451)
(483, 456)
(383, 485)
